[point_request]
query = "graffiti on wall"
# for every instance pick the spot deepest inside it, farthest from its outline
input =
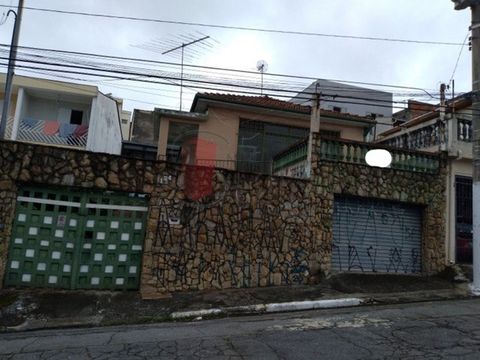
(376, 237)
(229, 241)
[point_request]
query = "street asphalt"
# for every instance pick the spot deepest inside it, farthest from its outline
(427, 330)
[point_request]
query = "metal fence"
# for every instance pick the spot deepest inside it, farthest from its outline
(34, 131)
(257, 167)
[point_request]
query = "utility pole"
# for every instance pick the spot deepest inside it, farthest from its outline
(11, 67)
(475, 28)
(314, 128)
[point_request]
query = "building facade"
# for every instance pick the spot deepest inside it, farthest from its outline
(238, 132)
(346, 98)
(63, 114)
(447, 129)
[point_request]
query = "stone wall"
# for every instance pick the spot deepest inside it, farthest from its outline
(253, 231)
(426, 190)
(245, 231)
(43, 165)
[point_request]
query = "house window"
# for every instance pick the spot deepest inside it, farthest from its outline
(124, 121)
(374, 115)
(76, 117)
(181, 136)
(259, 142)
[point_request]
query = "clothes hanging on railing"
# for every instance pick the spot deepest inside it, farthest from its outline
(80, 131)
(31, 123)
(67, 130)
(51, 127)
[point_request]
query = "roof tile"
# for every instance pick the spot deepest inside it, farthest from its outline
(272, 103)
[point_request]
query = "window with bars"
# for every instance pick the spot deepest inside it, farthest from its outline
(259, 142)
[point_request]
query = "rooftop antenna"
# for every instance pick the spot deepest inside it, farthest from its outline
(262, 67)
(180, 42)
(182, 47)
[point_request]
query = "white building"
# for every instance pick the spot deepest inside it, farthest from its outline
(355, 100)
(62, 114)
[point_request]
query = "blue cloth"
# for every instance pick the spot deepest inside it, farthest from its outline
(67, 130)
(30, 122)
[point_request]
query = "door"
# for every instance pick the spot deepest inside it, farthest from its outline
(463, 219)
(372, 235)
(74, 239)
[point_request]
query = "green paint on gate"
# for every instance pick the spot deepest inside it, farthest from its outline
(82, 240)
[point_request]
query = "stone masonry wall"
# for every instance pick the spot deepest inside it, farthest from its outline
(426, 190)
(254, 231)
(247, 231)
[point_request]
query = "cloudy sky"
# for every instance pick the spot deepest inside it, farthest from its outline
(412, 67)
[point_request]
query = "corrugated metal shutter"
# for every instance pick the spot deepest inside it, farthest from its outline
(372, 235)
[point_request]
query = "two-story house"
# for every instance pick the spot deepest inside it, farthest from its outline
(447, 128)
(63, 114)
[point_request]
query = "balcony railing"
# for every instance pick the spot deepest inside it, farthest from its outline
(293, 155)
(423, 138)
(52, 133)
(464, 130)
(354, 152)
(258, 167)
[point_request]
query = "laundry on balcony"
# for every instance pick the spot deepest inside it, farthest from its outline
(52, 132)
(80, 131)
(50, 127)
(31, 123)
(67, 130)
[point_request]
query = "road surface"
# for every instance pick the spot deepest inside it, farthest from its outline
(437, 330)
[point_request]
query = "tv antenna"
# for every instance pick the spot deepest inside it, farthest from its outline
(180, 42)
(182, 47)
(262, 67)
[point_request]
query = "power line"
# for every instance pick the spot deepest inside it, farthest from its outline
(202, 87)
(243, 92)
(217, 83)
(287, 76)
(459, 56)
(241, 28)
(93, 66)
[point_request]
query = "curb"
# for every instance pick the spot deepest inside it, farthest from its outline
(270, 308)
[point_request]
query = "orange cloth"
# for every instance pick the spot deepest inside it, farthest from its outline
(51, 127)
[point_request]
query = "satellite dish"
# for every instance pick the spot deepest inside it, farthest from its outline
(262, 66)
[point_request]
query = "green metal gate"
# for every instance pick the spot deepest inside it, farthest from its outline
(77, 239)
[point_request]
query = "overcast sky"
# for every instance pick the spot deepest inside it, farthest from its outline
(422, 66)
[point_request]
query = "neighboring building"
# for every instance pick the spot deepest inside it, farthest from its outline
(355, 100)
(125, 117)
(145, 127)
(63, 114)
(420, 127)
(238, 132)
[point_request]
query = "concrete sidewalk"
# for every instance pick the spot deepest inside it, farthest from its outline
(39, 309)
